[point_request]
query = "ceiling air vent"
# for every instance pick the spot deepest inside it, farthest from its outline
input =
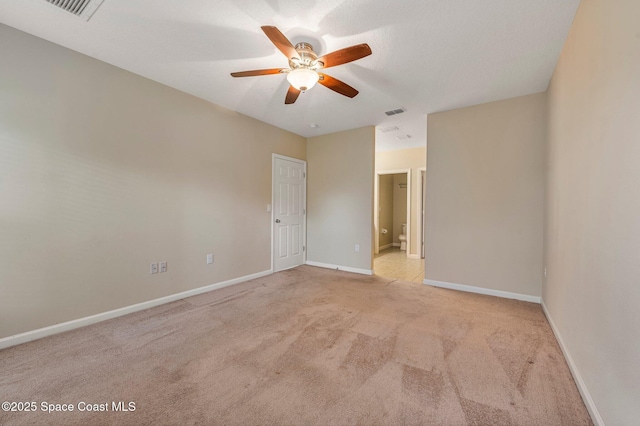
(82, 8)
(389, 129)
(395, 111)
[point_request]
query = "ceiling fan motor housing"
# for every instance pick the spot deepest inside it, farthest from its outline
(307, 57)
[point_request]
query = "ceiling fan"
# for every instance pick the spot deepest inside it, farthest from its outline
(304, 65)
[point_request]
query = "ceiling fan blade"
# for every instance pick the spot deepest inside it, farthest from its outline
(343, 56)
(292, 95)
(337, 86)
(281, 42)
(254, 73)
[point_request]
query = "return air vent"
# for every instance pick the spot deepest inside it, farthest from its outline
(395, 111)
(82, 8)
(389, 129)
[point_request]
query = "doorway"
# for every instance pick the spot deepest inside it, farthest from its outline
(394, 204)
(289, 203)
(395, 256)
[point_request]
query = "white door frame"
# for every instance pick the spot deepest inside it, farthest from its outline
(376, 210)
(420, 216)
(304, 204)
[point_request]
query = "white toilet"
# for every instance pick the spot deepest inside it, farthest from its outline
(403, 237)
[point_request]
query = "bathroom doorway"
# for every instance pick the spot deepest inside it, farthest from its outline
(392, 222)
(394, 207)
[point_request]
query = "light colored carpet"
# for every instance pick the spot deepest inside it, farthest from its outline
(305, 346)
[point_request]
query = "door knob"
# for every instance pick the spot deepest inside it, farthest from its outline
(277, 220)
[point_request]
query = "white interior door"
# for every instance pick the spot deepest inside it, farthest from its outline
(289, 204)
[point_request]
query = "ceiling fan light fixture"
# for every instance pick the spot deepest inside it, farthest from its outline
(304, 64)
(303, 79)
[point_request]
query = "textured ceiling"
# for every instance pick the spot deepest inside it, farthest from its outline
(428, 55)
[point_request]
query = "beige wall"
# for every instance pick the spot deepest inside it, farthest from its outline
(386, 209)
(485, 193)
(413, 159)
(592, 238)
(340, 200)
(103, 172)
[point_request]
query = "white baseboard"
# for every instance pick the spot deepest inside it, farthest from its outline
(396, 244)
(482, 290)
(577, 377)
(340, 268)
(81, 322)
(385, 247)
(413, 256)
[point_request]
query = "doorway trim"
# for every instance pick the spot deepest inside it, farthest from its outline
(376, 210)
(272, 206)
(421, 181)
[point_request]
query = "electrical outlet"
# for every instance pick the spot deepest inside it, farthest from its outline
(357, 248)
(163, 267)
(545, 272)
(153, 268)
(268, 208)
(209, 258)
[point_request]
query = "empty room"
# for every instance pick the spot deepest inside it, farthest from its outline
(362, 212)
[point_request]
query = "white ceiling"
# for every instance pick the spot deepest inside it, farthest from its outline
(428, 55)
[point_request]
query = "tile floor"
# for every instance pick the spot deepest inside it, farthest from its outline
(393, 263)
